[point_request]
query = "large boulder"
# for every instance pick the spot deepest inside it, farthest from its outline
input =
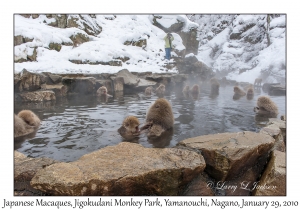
(27, 81)
(60, 90)
(229, 155)
(132, 80)
(24, 170)
(124, 169)
(36, 96)
(273, 180)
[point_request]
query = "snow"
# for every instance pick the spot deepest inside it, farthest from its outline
(107, 46)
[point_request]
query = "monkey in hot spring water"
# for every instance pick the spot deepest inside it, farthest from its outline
(130, 127)
(159, 118)
(265, 106)
(25, 123)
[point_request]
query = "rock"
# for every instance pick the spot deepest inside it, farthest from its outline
(88, 23)
(18, 40)
(33, 56)
(79, 38)
(200, 186)
(273, 129)
(37, 96)
(189, 40)
(29, 81)
(266, 86)
(132, 80)
(176, 27)
(277, 90)
(60, 20)
(60, 90)
(55, 46)
(109, 63)
(139, 43)
(273, 180)
(124, 169)
(54, 78)
(82, 85)
(228, 155)
(118, 84)
(24, 170)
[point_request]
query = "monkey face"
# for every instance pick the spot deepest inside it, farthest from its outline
(131, 124)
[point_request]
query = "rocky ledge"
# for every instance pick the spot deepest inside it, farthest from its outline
(124, 169)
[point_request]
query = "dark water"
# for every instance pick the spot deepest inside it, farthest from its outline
(79, 125)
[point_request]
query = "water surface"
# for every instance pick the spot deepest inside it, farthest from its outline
(76, 126)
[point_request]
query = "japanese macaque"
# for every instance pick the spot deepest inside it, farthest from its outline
(186, 89)
(247, 87)
(266, 106)
(250, 93)
(148, 90)
(25, 123)
(130, 127)
(214, 84)
(160, 90)
(102, 91)
(238, 91)
(159, 118)
(195, 89)
(258, 81)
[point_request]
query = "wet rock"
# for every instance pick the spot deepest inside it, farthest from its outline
(24, 170)
(81, 85)
(132, 80)
(273, 180)
(29, 81)
(200, 186)
(118, 84)
(37, 96)
(60, 90)
(277, 90)
(228, 155)
(54, 79)
(124, 169)
(266, 86)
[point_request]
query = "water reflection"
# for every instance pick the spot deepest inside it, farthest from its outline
(76, 125)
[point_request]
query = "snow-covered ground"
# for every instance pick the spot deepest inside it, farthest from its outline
(241, 59)
(106, 46)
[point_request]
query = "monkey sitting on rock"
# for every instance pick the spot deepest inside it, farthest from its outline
(25, 122)
(265, 106)
(130, 127)
(159, 118)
